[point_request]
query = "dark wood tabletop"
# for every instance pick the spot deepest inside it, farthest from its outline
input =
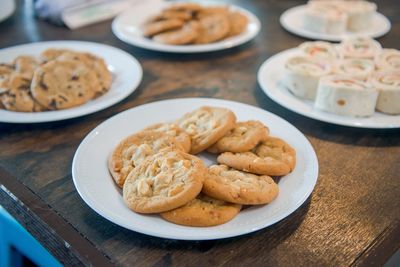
(351, 218)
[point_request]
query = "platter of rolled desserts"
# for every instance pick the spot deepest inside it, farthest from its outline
(335, 20)
(185, 27)
(354, 83)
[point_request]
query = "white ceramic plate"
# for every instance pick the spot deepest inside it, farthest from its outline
(126, 71)
(96, 186)
(269, 77)
(292, 21)
(127, 27)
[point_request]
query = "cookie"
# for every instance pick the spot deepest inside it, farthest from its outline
(63, 84)
(164, 181)
(237, 22)
(136, 148)
(206, 125)
(243, 137)
(272, 156)
(185, 35)
(173, 130)
(184, 15)
(51, 54)
(5, 72)
(202, 211)
(18, 97)
(25, 65)
(153, 28)
(239, 187)
(98, 65)
(193, 7)
(212, 10)
(212, 28)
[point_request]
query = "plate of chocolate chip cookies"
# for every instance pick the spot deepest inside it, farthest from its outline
(186, 27)
(57, 80)
(195, 169)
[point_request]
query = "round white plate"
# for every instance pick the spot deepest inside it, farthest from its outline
(126, 71)
(269, 77)
(96, 186)
(292, 21)
(127, 27)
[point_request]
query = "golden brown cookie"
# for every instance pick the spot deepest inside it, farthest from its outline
(272, 157)
(25, 65)
(185, 35)
(212, 28)
(5, 72)
(63, 84)
(18, 97)
(164, 181)
(153, 28)
(212, 10)
(184, 15)
(239, 187)
(175, 131)
(206, 125)
(237, 22)
(51, 54)
(136, 148)
(243, 137)
(203, 211)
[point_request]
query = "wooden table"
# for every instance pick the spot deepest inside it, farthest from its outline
(352, 217)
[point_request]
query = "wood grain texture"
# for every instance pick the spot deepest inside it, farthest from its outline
(355, 202)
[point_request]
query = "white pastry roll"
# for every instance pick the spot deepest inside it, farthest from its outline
(360, 47)
(345, 95)
(323, 17)
(319, 49)
(388, 85)
(359, 68)
(389, 59)
(360, 14)
(301, 75)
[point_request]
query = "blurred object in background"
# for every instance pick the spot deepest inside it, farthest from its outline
(7, 8)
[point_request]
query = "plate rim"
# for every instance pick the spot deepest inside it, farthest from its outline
(312, 156)
(65, 114)
(283, 19)
(321, 116)
(188, 49)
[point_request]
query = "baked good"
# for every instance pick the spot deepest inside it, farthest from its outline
(302, 73)
(359, 47)
(356, 67)
(5, 72)
(25, 65)
(388, 59)
(206, 125)
(202, 211)
(273, 157)
(237, 22)
(164, 181)
(187, 34)
(239, 187)
(387, 83)
(243, 137)
(213, 27)
(173, 130)
(325, 17)
(193, 7)
(63, 84)
(345, 95)
(51, 54)
(156, 27)
(136, 148)
(319, 49)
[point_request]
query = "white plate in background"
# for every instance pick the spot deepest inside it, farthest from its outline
(126, 70)
(127, 27)
(97, 188)
(293, 18)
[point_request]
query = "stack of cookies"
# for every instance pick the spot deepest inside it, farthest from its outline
(59, 79)
(190, 23)
(159, 172)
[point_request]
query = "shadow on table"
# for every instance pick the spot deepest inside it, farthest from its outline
(330, 132)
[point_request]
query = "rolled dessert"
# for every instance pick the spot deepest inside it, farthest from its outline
(301, 75)
(324, 17)
(359, 47)
(319, 49)
(345, 95)
(387, 83)
(389, 59)
(360, 14)
(357, 67)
